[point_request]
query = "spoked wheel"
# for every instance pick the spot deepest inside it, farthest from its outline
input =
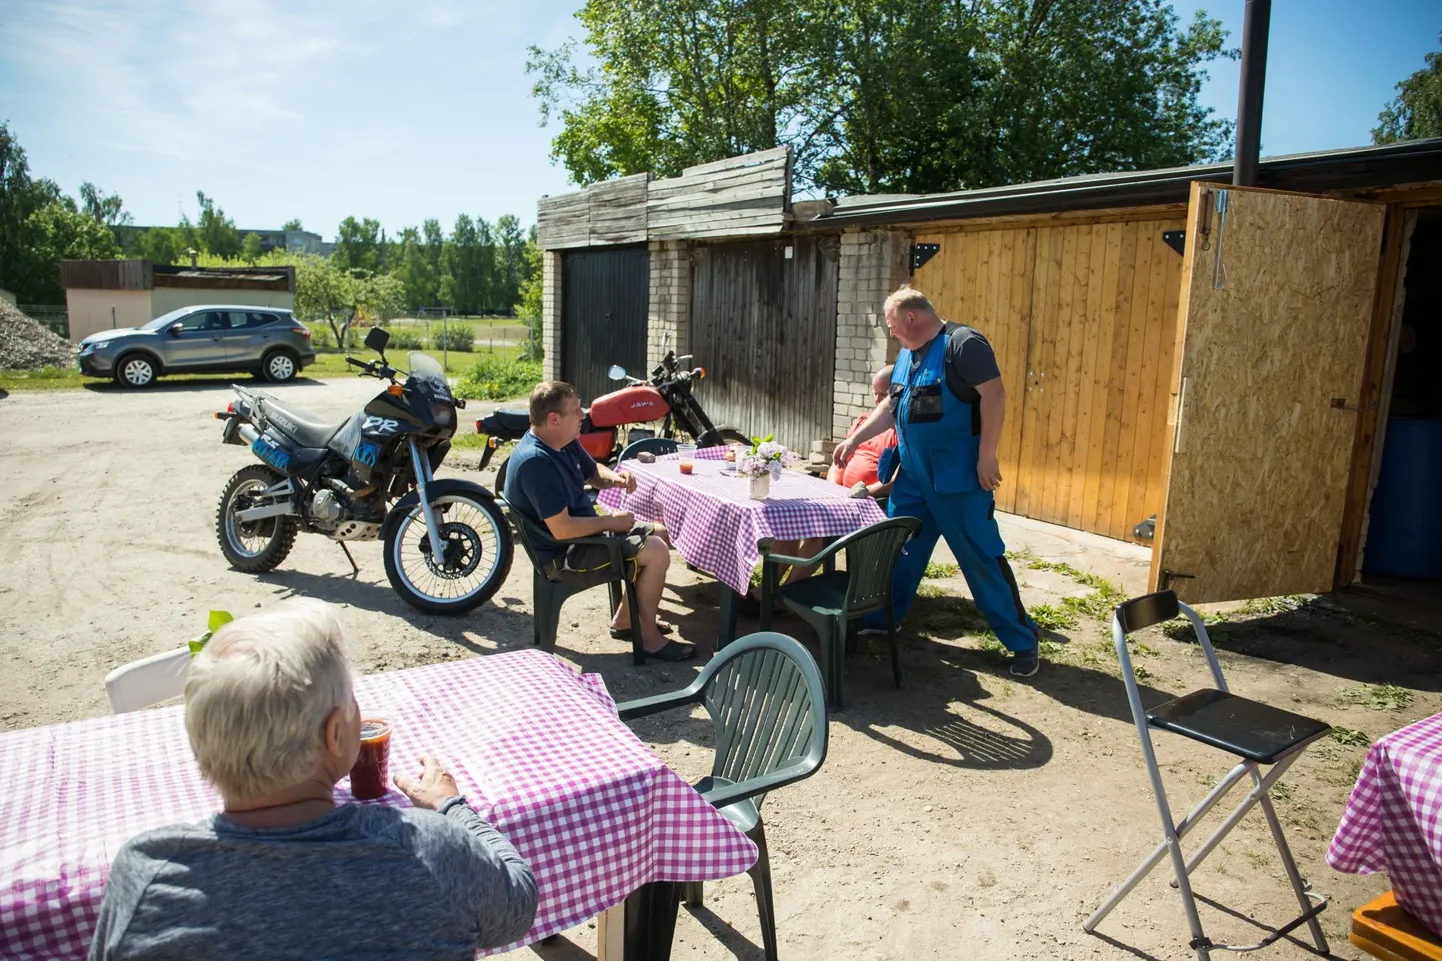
(475, 559)
(252, 546)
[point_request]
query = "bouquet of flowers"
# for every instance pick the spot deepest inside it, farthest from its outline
(765, 458)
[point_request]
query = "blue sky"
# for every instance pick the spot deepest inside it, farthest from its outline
(405, 111)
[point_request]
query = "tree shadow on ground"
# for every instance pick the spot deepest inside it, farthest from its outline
(198, 385)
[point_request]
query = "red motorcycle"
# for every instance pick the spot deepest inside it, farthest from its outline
(667, 397)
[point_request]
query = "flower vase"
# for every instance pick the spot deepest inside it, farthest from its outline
(760, 487)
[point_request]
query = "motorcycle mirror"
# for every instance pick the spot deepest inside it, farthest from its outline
(377, 338)
(616, 372)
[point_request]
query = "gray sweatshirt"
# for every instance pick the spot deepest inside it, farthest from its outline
(359, 882)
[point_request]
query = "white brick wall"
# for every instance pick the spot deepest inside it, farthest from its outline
(551, 314)
(873, 264)
(670, 302)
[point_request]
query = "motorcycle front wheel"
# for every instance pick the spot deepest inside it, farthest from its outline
(475, 560)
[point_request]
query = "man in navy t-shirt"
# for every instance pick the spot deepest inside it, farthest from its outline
(546, 479)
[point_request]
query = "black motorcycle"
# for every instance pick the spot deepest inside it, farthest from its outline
(448, 547)
(667, 397)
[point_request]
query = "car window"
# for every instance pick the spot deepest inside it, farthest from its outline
(203, 320)
(253, 319)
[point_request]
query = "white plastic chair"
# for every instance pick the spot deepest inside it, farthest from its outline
(150, 680)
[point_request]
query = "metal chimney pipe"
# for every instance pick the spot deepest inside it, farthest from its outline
(1256, 26)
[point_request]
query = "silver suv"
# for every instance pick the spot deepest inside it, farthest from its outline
(207, 339)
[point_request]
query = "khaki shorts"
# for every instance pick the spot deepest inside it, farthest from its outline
(589, 564)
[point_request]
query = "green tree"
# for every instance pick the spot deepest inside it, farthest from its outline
(250, 248)
(511, 267)
(60, 231)
(357, 244)
(21, 197)
(217, 231)
(325, 290)
(528, 306)
(1416, 112)
(417, 276)
(162, 245)
(292, 225)
(107, 210)
(885, 95)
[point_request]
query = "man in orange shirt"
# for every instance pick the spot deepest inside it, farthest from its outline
(861, 468)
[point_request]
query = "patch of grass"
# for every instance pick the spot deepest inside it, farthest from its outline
(1142, 650)
(1051, 649)
(1282, 791)
(1180, 629)
(991, 645)
(936, 570)
(1377, 697)
(1142, 673)
(1099, 604)
(497, 377)
(1051, 618)
(1349, 737)
(1022, 555)
(1058, 567)
(1264, 606)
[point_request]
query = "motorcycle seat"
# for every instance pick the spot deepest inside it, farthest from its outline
(298, 425)
(513, 421)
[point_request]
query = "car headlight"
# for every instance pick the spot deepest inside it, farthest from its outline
(87, 349)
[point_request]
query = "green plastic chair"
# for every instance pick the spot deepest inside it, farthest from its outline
(768, 707)
(549, 595)
(831, 600)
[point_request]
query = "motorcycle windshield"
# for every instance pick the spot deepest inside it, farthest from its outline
(427, 374)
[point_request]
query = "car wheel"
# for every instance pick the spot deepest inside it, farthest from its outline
(135, 370)
(280, 365)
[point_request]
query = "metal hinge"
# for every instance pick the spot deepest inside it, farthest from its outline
(921, 253)
(1167, 577)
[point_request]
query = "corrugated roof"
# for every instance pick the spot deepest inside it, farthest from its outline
(1354, 168)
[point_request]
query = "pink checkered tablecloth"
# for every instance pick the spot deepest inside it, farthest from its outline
(715, 524)
(1393, 820)
(537, 749)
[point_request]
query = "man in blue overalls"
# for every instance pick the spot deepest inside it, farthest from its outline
(947, 404)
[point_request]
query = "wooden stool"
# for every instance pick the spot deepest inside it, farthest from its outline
(1385, 930)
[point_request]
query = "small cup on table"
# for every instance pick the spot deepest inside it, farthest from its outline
(686, 457)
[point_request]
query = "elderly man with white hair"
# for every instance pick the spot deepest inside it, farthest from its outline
(282, 871)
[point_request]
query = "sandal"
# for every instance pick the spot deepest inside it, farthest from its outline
(625, 634)
(673, 651)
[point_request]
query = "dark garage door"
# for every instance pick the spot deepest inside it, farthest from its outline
(763, 324)
(604, 299)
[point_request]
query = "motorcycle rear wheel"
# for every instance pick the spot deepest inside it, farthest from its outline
(252, 546)
(477, 555)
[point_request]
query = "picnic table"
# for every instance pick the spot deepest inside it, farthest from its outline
(1393, 820)
(536, 749)
(715, 525)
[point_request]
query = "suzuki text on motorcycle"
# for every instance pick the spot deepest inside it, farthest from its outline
(447, 546)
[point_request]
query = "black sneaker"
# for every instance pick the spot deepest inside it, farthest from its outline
(1024, 663)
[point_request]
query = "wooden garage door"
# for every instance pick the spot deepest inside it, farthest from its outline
(1082, 317)
(763, 324)
(604, 300)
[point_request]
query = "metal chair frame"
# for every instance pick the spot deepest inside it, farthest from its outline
(1173, 832)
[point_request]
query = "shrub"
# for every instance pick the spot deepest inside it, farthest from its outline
(497, 377)
(456, 338)
(403, 339)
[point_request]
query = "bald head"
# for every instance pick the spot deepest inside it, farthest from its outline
(881, 383)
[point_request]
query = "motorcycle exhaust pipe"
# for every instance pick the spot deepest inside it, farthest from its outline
(248, 433)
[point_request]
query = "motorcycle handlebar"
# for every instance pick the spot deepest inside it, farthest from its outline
(357, 363)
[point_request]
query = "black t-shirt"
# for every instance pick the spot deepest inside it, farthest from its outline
(969, 361)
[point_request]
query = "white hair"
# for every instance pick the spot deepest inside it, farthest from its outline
(907, 297)
(259, 694)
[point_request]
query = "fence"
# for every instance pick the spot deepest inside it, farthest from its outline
(52, 316)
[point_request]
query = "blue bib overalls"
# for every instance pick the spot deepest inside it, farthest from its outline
(939, 442)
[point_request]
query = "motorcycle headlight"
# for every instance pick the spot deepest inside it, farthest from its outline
(443, 414)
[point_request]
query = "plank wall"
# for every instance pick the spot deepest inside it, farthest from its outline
(1082, 317)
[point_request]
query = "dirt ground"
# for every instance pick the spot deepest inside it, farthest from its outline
(965, 816)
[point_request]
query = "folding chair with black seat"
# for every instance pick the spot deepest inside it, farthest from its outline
(659, 446)
(832, 600)
(1256, 734)
(550, 594)
(765, 698)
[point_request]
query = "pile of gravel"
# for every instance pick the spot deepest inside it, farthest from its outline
(26, 344)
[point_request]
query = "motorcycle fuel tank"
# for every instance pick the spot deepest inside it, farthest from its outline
(629, 405)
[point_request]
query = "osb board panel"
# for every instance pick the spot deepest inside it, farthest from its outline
(1082, 319)
(1278, 308)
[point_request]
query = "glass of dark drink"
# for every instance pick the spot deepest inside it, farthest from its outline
(372, 766)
